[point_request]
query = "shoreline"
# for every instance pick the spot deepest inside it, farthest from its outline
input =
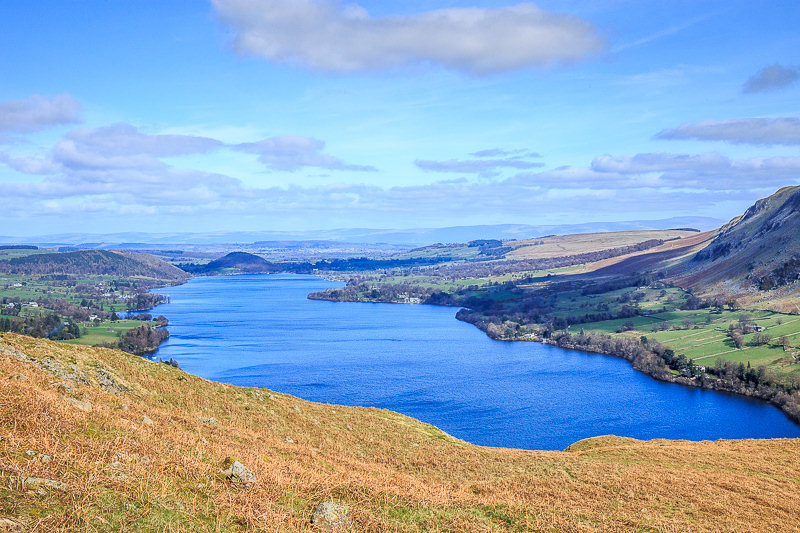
(717, 385)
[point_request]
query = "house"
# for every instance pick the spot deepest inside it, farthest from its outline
(758, 328)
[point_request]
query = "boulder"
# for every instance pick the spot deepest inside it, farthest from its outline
(331, 516)
(79, 404)
(239, 474)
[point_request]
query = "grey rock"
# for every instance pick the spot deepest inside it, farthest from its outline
(146, 420)
(207, 420)
(331, 516)
(297, 408)
(40, 482)
(44, 458)
(79, 404)
(9, 524)
(239, 474)
(107, 383)
(289, 440)
(30, 453)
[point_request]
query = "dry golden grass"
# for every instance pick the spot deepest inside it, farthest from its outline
(582, 243)
(395, 473)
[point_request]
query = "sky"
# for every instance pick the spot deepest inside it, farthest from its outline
(319, 114)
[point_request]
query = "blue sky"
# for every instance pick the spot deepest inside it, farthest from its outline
(310, 114)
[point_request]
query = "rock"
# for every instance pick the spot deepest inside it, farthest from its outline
(124, 407)
(79, 404)
(30, 453)
(331, 516)
(289, 440)
(239, 474)
(107, 383)
(19, 377)
(297, 408)
(44, 459)
(13, 352)
(146, 420)
(207, 420)
(40, 482)
(9, 524)
(349, 428)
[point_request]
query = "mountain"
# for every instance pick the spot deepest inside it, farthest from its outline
(93, 262)
(409, 237)
(755, 256)
(99, 440)
(240, 262)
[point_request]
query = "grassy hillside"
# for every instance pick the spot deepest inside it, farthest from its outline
(756, 256)
(98, 440)
(92, 262)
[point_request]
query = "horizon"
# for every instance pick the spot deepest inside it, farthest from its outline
(404, 237)
(280, 116)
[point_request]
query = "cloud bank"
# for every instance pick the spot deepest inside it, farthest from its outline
(772, 78)
(759, 131)
(330, 36)
(485, 166)
(293, 152)
(37, 113)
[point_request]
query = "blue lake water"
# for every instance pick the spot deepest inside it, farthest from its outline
(260, 330)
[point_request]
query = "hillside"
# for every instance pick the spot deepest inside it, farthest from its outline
(93, 262)
(235, 262)
(755, 256)
(98, 440)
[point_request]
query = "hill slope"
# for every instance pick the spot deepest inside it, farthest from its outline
(93, 262)
(131, 444)
(239, 262)
(755, 252)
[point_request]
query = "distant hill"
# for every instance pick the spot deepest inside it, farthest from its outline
(393, 237)
(93, 262)
(240, 262)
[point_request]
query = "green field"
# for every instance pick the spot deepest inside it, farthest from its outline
(702, 335)
(106, 332)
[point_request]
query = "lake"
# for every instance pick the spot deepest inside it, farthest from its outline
(262, 331)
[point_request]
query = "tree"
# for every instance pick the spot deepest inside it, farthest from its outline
(737, 338)
(745, 321)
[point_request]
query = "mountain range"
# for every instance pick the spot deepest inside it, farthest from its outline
(404, 237)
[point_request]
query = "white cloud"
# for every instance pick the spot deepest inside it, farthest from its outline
(710, 171)
(658, 162)
(772, 78)
(760, 131)
(482, 167)
(123, 139)
(327, 35)
(38, 112)
(293, 152)
(499, 152)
